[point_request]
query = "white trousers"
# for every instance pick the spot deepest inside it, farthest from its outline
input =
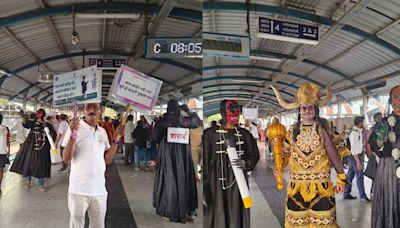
(96, 206)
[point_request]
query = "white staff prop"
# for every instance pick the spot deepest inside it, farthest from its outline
(239, 176)
(52, 145)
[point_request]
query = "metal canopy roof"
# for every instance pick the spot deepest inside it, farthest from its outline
(358, 46)
(35, 35)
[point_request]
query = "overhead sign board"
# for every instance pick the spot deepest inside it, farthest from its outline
(135, 88)
(81, 86)
(173, 47)
(287, 31)
(217, 44)
(107, 63)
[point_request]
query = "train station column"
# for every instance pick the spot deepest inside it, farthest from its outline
(35, 105)
(365, 105)
(24, 104)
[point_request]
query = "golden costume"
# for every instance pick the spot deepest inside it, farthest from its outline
(309, 150)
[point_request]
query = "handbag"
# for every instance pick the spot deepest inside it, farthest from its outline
(372, 165)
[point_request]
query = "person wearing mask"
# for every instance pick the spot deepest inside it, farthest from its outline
(4, 148)
(175, 193)
(223, 207)
(384, 141)
(62, 129)
(88, 150)
(128, 139)
(356, 161)
(33, 158)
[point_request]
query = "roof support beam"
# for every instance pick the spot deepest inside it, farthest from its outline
(57, 36)
(153, 27)
(22, 46)
(261, 68)
(117, 53)
(125, 7)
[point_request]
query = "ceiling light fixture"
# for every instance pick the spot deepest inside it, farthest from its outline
(272, 59)
(133, 16)
(247, 81)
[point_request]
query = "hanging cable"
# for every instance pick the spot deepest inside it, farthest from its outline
(146, 22)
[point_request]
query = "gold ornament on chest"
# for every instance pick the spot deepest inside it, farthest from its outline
(308, 152)
(308, 140)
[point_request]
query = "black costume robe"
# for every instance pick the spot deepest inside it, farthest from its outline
(224, 208)
(34, 160)
(175, 192)
(386, 200)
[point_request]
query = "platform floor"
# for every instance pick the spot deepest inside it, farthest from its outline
(130, 201)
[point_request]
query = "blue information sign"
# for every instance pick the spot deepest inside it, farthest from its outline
(287, 31)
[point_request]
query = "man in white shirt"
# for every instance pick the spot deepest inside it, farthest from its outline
(356, 161)
(128, 139)
(252, 129)
(55, 121)
(87, 148)
(62, 129)
(4, 148)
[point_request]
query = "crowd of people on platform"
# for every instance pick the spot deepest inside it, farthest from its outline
(88, 143)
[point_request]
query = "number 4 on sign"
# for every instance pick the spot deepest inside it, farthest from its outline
(277, 27)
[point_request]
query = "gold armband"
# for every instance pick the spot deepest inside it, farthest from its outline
(341, 179)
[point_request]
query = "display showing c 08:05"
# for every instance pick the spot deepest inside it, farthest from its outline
(192, 48)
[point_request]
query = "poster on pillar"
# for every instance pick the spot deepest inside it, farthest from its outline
(135, 88)
(81, 86)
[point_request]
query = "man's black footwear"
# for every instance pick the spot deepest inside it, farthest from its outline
(350, 197)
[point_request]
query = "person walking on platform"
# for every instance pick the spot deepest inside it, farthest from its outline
(141, 136)
(33, 158)
(62, 129)
(384, 141)
(195, 143)
(128, 140)
(109, 128)
(356, 161)
(4, 148)
(309, 152)
(88, 149)
(175, 193)
(223, 204)
(116, 122)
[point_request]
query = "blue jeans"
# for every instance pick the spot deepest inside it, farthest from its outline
(359, 175)
(141, 154)
(152, 153)
(40, 181)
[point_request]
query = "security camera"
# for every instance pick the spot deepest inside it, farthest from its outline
(75, 37)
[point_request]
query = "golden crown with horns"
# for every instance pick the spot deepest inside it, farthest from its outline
(308, 93)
